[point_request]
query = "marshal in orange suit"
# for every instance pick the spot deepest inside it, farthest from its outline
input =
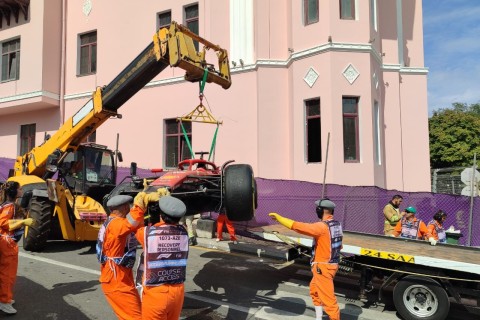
(162, 268)
(116, 251)
(327, 235)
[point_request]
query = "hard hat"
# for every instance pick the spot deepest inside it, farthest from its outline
(172, 206)
(325, 203)
(411, 210)
(118, 200)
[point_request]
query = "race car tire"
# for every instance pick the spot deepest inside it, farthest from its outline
(421, 298)
(36, 236)
(240, 192)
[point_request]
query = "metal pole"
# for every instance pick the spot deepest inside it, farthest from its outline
(325, 168)
(116, 151)
(434, 187)
(472, 185)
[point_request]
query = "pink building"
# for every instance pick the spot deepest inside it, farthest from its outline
(302, 71)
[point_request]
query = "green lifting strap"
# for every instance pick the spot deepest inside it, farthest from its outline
(201, 84)
(188, 140)
(214, 142)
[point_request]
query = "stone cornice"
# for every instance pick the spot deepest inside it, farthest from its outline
(271, 63)
(30, 95)
(329, 47)
(405, 70)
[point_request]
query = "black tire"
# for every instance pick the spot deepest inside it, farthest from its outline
(35, 237)
(422, 298)
(240, 192)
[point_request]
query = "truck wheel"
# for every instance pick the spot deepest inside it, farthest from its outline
(35, 237)
(421, 298)
(240, 192)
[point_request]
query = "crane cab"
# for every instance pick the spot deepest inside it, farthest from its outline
(90, 170)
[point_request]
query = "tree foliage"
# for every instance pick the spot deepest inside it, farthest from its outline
(454, 136)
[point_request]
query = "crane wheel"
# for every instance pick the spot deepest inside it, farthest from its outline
(36, 236)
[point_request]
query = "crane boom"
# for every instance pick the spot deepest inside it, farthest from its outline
(173, 46)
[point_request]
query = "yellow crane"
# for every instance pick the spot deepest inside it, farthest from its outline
(69, 207)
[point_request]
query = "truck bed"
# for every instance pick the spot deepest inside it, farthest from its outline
(447, 256)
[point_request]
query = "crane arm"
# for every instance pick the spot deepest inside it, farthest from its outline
(172, 46)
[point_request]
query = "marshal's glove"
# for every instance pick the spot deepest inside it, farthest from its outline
(142, 199)
(432, 241)
(163, 192)
(283, 221)
(139, 200)
(155, 196)
(28, 222)
(14, 224)
(151, 197)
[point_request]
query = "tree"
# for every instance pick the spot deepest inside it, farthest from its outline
(454, 136)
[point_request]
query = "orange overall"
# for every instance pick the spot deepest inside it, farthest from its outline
(117, 281)
(8, 255)
(163, 302)
(222, 219)
(402, 225)
(437, 231)
(321, 287)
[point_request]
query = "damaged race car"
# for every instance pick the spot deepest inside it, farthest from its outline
(202, 186)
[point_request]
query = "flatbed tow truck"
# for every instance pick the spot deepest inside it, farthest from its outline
(425, 277)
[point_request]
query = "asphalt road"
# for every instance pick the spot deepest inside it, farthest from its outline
(61, 283)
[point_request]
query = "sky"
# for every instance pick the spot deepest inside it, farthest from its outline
(451, 30)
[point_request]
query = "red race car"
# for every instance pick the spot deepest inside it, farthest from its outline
(202, 186)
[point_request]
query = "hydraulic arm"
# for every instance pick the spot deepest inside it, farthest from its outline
(173, 46)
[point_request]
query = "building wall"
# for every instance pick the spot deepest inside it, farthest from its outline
(34, 98)
(263, 112)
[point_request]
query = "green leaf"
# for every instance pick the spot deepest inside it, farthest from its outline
(454, 135)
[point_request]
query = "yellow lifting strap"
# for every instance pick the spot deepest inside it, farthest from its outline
(200, 114)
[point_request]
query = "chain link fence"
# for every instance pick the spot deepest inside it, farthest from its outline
(448, 180)
(360, 209)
